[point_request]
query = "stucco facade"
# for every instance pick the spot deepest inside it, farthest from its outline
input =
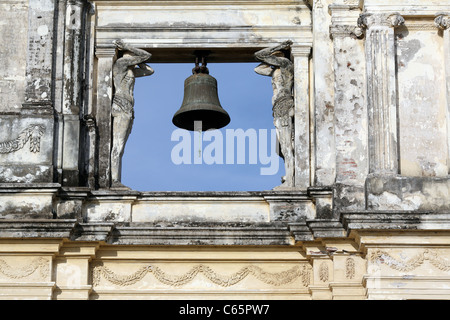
(367, 218)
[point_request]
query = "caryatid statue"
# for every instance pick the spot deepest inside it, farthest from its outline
(276, 65)
(130, 66)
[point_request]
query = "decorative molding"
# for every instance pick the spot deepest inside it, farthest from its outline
(32, 133)
(380, 256)
(275, 279)
(442, 21)
(37, 109)
(350, 268)
(30, 268)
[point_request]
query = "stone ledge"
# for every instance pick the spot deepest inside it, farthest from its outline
(35, 187)
(395, 220)
(301, 232)
(226, 233)
(37, 228)
(93, 232)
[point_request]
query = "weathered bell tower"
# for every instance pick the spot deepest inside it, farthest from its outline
(361, 109)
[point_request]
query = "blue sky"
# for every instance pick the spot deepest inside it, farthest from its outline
(147, 162)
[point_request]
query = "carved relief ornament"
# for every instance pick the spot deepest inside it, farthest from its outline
(275, 279)
(32, 133)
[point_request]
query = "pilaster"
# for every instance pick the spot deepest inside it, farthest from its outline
(89, 154)
(323, 151)
(105, 59)
(300, 56)
(381, 91)
(322, 276)
(350, 111)
(338, 270)
(349, 268)
(72, 269)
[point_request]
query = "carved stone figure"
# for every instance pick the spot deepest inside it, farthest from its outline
(130, 66)
(276, 65)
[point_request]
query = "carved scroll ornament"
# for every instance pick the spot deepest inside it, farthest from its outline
(32, 133)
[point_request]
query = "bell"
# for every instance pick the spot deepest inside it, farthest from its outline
(201, 102)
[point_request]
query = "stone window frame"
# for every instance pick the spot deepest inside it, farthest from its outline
(103, 54)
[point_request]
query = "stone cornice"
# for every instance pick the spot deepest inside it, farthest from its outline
(37, 228)
(270, 233)
(300, 3)
(395, 220)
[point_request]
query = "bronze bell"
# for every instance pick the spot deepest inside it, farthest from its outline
(201, 102)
